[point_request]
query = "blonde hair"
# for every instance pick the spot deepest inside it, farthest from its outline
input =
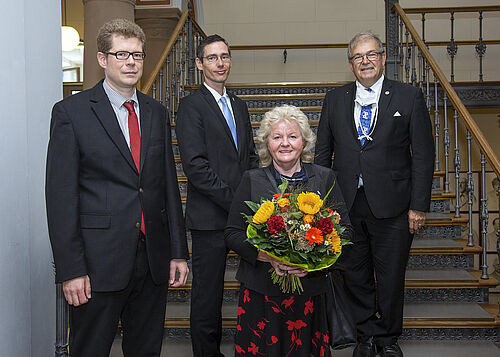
(119, 27)
(287, 113)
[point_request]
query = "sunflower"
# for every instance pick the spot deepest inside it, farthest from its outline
(334, 241)
(314, 235)
(309, 202)
(263, 213)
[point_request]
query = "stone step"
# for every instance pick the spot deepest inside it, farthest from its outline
(454, 315)
(421, 348)
(436, 285)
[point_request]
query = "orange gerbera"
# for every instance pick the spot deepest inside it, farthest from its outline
(314, 235)
(276, 195)
(263, 213)
(309, 202)
(334, 241)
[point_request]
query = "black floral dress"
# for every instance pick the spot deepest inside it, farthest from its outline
(285, 325)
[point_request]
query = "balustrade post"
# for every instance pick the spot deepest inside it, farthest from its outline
(480, 46)
(452, 47)
(470, 189)
(413, 66)
(457, 168)
(61, 346)
(408, 54)
(484, 218)
(401, 51)
(446, 144)
(436, 124)
(391, 39)
(191, 48)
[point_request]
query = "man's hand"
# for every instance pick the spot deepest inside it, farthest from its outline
(416, 220)
(178, 266)
(77, 291)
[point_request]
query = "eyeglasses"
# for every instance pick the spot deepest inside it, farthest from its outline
(124, 55)
(213, 58)
(371, 56)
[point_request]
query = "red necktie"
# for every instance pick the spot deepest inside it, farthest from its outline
(135, 143)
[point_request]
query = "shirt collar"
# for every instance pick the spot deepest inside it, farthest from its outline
(216, 94)
(376, 87)
(116, 98)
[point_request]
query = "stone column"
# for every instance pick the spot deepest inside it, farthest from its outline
(158, 25)
(96, 13)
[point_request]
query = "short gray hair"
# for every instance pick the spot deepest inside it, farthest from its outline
(361, 37)
(287, 113)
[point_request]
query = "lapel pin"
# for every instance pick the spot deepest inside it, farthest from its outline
(386, 92)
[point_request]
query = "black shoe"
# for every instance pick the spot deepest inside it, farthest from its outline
(390, 351)
(365, 349)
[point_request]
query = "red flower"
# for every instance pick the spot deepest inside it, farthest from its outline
(295, 325)
(238, 327)
(240, 310)
(309, 309)
(261, 325)
(246, 296)
(274, 339)
(322, 351)
(253, 348)
(325, 225)
(276, 195)
(326, 338)
(275, 224)
(317, 334)
(287, 302)
(239, 349)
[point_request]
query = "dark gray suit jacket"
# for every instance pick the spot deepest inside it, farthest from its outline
(95, 194)
(209, 157)
(397, 166)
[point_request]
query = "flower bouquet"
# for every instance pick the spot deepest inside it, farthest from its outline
(296, 229)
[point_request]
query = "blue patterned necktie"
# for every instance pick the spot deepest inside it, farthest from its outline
(229, 120)
(365, 119)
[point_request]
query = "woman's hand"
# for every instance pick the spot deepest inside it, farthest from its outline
(281, 268)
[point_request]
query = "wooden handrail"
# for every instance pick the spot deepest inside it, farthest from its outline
(302, 46)
(166, 51)
(437, 10)
(452, 95)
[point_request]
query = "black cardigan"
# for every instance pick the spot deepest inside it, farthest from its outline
(255, 185)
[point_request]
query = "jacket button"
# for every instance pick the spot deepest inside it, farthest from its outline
(138, 224)
(141, 190)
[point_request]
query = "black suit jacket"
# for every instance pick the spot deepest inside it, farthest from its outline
(255, 185)
(397, 166)
(209, 157)
(95, 195)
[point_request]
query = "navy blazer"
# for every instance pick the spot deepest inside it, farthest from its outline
(397, 166)
(95, 195)
(210, 160)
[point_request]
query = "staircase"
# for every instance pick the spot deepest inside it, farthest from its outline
(447, 310)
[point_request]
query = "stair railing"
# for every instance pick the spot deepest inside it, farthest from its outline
(176, 67)
(418, 68)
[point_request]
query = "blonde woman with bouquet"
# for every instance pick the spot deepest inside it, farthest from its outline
(287, 222)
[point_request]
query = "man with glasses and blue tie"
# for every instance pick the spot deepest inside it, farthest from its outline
(379, 133)
(216, 146)
(113, 204)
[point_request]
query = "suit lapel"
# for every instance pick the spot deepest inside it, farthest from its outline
(218, 113)
(145, 113)
(240, 121)
(383, 103)
(349, 96)
(102, 108)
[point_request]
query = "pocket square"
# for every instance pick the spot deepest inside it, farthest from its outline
(397, 114)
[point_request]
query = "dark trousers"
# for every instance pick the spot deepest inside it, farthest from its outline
(375, 272)
(208, 267)
(141, 308)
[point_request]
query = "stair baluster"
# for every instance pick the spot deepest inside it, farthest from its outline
(470, 189)
(484, 218)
